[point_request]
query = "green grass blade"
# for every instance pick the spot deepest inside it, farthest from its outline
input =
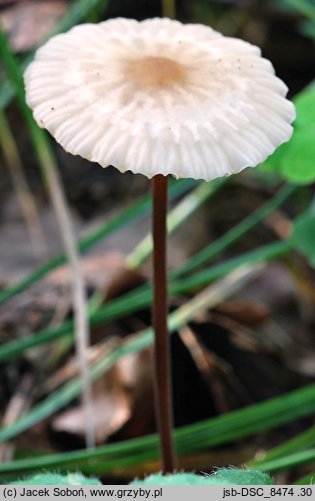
(131, 213)
(231, 236)
(303, 7)
(306, 480)
(262, 254)
(175, 218)
(288, 462)
(42, 147)
(141, 298)
(15, 76)
(302, 441)
(77, 12)
(209, 433)
(71, 390)
(7, 93)
(21, 187)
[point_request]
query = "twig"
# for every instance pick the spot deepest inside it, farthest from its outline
(82, 337)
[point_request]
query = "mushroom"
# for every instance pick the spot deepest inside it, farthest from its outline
(158, 97)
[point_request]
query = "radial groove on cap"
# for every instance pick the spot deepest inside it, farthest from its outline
(158, 96)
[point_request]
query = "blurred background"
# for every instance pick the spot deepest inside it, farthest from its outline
(251, 351)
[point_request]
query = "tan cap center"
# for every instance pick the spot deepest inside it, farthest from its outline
(155, 71)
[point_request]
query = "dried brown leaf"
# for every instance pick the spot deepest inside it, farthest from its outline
(249, 313)
(114, 396)
(27, 23)
(104, 271)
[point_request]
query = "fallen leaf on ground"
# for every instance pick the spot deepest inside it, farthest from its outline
(249, 313)
(111, 409)
(100, 271)
(114, 397)
(28, 23)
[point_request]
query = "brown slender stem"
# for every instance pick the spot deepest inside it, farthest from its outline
(162, 361)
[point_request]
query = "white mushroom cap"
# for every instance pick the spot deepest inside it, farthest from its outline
(159, 97)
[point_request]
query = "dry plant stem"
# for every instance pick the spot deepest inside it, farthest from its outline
(82, 337)
(162, 361)
(24, 194)
(18, 405)
(49, 171)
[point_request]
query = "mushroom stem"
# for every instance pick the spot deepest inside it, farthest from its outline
(162, 360)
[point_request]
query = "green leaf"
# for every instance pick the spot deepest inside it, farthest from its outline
(49, 478)
(273, 162)
(303, 236)
(294, 160)
(298, 165)
(222, 476)
(305, 107)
